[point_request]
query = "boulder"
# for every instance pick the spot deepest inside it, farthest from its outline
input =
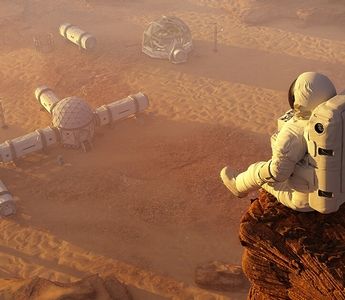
(220, 276)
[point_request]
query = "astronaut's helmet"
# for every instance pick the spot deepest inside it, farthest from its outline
(309, 90)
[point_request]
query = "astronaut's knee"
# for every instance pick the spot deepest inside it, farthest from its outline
(300, 201)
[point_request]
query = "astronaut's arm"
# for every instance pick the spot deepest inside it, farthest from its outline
(286, 153)
(276, 170)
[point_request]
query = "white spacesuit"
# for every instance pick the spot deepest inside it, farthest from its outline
(283, 175)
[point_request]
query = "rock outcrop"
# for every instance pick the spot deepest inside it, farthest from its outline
(90, 288)
(293, 255)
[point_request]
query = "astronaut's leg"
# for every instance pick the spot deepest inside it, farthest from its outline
(241, 184)
(287, 196)
(249, 180)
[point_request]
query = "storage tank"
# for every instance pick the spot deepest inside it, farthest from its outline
(78, 36)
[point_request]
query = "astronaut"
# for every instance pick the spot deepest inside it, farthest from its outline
(283, 175)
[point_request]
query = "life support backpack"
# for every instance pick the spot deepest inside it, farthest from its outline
(325, 136)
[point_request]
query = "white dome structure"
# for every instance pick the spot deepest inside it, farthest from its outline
(168, 38)
(75, 120)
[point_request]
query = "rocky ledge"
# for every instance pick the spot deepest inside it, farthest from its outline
(293, 255)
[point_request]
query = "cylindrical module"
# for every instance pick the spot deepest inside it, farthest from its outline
(7, 205)
(46, 97)
(78, 36)
(31, 142)
(121, 109)
(178, 55)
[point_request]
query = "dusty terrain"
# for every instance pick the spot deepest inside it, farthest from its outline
(146, 204)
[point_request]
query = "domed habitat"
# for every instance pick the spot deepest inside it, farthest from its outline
(75, 120)
(168, 38)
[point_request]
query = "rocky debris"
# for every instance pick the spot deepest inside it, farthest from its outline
(301, 13)
(220, 276)
(293, 255)
(321, 16)
(90, 288)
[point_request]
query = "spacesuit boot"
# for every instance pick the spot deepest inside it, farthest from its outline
(228, 177)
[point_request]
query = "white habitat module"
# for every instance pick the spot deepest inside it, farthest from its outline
(78, 36)
(7, 205)
(121, 109)
(168, 38)
(35, 141)
(46, 97)
(74, 119)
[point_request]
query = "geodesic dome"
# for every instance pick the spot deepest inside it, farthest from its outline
(75, 120)
(72, 113)
(168, 38)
